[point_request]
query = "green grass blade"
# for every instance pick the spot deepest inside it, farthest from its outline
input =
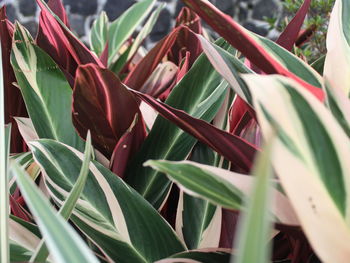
(255, 223)
(64, 243)
(4, 199)
(66, 210)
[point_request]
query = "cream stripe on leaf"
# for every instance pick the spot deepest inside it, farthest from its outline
(110, 213)
(46, 92)
(310, 158)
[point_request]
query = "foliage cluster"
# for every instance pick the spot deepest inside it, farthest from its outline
(195, 151)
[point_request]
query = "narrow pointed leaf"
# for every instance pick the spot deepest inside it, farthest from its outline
(241, 39)
(122, 28)
(290, 34)
(127, 56)
(255, 223)
(200, 93)
(66, 209)
(64, 243)
(63, 41)
(219, 186)
(98, 34)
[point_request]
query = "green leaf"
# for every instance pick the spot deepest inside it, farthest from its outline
(131, 51)
(198, 222)
(46, 92)
(219, 186)
(5, 135)
(99, 33)
(122, 28)
(201, 182)
(109, 212)
(200, 93)
(66, 210)
(64, 243)
(255, 224)
(291, 62)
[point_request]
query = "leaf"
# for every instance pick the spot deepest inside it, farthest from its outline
(339, 105)
(304, 126)
(290, 34)
(66, 210)
(241, 39)
(64, 243)
(26, 128)
(14, 104)
(24, 234)
(98, 33)
(227, 65)
(200, 94)
(5, 135)
(198, 222)
(337, 64)
(109, 212)
(102, 105)
(232, 147)
(127, 56)
(127, 146)
(143, 70)
(219, 186)
(122, 28)
(49, 109)
(186, 42)
(255, 223)
(60, 43)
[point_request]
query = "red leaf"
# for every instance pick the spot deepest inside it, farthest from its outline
(18, 210)
(57, 7)
(127, 146)
(233, 148)
(290, 34)
(239, 37)
(60, 43)
(186, 41)
(14, 104)
(143, 70)
(102, 105)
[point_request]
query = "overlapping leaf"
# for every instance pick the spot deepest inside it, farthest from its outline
(110, 213)
(200, 93)
(122, 28)
(60, 43)
(311, 141)
(241, 39)
(220, 186)
(14, 104)
(64, 243)
(104, 106)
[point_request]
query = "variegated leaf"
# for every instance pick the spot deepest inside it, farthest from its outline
(110, 213)
(310, 157)
(337, 64)
(46, 92)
